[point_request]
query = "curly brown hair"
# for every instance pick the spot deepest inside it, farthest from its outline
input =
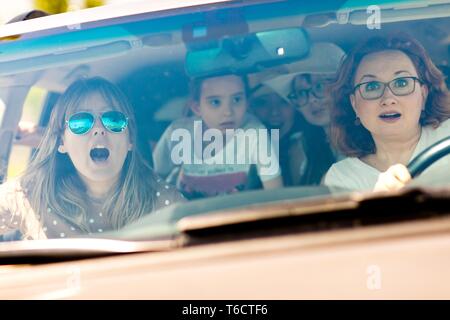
(353, 140)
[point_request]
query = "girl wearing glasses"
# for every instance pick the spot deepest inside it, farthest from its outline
(310, 154)
(390, 103)
(315, 155)
(87, 176)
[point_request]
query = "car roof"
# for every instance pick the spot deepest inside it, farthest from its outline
(72, 19)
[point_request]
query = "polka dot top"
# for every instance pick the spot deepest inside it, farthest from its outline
(16, 214)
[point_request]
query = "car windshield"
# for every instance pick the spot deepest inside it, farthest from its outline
(216, 108)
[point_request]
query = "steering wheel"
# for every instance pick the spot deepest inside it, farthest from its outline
(429, 156)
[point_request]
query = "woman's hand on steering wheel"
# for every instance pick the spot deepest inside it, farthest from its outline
(398, 175)
(394, 178)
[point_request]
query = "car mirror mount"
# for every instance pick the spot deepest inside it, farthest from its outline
(247, 53)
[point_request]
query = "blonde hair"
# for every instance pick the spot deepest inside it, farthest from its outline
(53, 184)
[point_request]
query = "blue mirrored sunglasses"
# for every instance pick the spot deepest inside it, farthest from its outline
(83, 122)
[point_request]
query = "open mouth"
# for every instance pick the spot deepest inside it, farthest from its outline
(389, 116)
(99, 154)
(318, 112)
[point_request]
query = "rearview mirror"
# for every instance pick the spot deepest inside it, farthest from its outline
(248, 53)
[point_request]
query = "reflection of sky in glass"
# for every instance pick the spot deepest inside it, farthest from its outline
(111, 121)
(11, 9)
(114, 122)
(80, 125)
(2, 109)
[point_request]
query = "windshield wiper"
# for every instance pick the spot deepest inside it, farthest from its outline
(317, 214)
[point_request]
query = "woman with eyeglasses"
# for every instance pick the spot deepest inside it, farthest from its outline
(315, 155)
(87, 176)
(310, 154)
(390, 102)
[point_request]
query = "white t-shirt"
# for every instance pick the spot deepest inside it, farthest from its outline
(354, 174)
(227, 170)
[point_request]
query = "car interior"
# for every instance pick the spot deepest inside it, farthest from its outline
(296, 242)
(152, 56)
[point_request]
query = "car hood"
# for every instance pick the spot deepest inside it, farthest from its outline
(239, 215)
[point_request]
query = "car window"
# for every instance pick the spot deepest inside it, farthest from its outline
(25, 141)
(217, 101)
(2, 108)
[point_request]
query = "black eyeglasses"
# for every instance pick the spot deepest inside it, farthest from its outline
(401, 86)
(301, 96)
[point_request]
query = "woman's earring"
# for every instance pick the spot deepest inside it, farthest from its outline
(357, 121)
(61, 149)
